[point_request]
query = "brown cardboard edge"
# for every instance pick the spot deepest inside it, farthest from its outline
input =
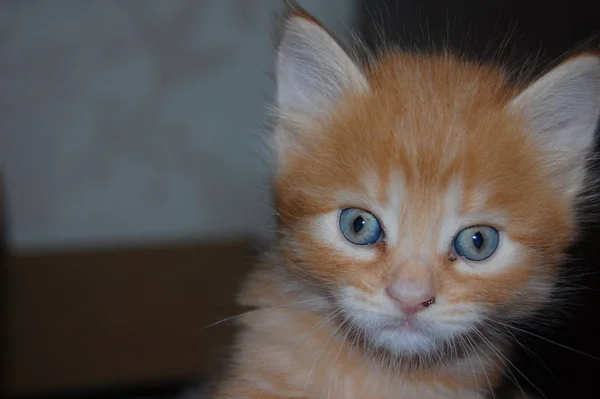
(100, 317)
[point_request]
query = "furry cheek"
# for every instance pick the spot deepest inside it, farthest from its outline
(323, 252)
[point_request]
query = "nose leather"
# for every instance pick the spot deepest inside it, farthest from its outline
(412, 287)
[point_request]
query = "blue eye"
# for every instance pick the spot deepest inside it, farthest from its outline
(360, 227)
(476, 243)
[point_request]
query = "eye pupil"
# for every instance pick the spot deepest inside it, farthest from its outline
(478, 240)
(476, 243)
(360, 227)
(358, 224)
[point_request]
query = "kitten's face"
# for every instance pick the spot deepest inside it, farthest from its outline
(378, 202)
(420, 201)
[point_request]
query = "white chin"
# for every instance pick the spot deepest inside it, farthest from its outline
(405, 342)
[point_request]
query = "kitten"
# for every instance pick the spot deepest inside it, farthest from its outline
(424, 205)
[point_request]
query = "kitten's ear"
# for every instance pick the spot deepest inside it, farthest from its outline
(312, 70)
(562, 109)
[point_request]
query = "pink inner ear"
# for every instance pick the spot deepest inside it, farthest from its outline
(562, 108)
(313, 71)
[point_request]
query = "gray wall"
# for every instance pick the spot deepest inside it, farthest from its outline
(135, 121)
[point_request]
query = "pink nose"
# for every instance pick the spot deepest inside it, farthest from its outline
(411, 297)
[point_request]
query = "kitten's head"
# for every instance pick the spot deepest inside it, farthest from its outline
(427, 197)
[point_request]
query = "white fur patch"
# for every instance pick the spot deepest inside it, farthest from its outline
(327, 229)
(450, 222)
(392, 210)
(380, 320)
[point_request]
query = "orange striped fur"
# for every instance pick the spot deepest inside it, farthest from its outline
(429, 144)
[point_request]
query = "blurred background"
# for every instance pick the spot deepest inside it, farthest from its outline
(133, 180)
(135, 194)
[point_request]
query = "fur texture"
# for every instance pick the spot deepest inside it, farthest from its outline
(429, 145)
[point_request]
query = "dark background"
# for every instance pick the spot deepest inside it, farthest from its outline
(529, 36)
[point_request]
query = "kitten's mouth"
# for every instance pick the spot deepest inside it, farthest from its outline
(407, 325)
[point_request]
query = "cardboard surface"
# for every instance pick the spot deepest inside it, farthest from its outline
(89, 319)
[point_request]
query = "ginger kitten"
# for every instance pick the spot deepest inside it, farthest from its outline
(424, 204)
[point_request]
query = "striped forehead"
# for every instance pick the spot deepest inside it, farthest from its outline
(417, 218)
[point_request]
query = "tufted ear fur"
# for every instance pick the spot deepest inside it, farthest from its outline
(562, 109)
(312, 70)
